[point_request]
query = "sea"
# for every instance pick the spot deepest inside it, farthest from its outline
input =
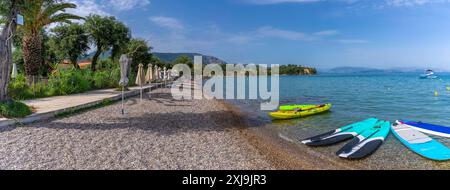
(356, 97)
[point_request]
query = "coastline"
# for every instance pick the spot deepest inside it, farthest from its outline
(162, 133)
(283, 154)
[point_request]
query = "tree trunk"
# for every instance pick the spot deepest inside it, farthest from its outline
(95, 58)
(6, 51)
(74, 62)
(32, 53)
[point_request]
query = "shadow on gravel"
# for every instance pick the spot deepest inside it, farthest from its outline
(160, 123)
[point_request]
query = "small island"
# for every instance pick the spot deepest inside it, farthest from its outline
(297, 70)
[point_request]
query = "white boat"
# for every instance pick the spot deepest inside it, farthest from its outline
(429, 74)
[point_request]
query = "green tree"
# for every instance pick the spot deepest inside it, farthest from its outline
(139, 50)
(39, 14)
(106, 33)
(69, 42)
(121, 37)
(183, 59)
(160, 63)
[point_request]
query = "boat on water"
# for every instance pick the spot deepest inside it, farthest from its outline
(429, 74)
(297, 111)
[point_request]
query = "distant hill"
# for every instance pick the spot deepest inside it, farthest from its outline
(350, 70)
(166, 57)
(366, 70)
(169, 57)
(89, 56)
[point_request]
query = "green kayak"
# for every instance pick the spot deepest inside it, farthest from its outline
(293, 107)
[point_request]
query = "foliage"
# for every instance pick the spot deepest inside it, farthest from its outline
(38, 14)
(183, 59)
(69, 42)
(106, 33)
(66, 81)
(139, 51)
(159, 62)
(296, 70)
(69, 81)
(121, 37)
(19, 89)
(41, 13)
(14, 109)
(18, 60)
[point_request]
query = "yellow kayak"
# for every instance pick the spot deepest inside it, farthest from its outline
(300, 113)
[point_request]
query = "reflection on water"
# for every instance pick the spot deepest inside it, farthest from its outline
(355, 98)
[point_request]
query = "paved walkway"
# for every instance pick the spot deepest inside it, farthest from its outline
(50, 106)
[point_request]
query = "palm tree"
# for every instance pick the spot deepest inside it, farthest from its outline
(38, 14)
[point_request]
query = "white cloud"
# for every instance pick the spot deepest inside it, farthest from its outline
(269, 2)
(272, 32)
(327, 33)
(375, 3)
(101, 7)
(400, 3)
(167, 22)
(352, 41)
(125, 5)
(87, 7)
(268, 31)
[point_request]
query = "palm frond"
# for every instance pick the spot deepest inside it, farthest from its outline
(63, 17)
(55, 8)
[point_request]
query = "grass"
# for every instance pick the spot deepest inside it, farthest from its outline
(14, 109)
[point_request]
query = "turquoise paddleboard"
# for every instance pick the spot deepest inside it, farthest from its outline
(367, 142)
(420, 143)
(340, 134)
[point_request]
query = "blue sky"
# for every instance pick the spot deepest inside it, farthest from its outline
(319, 33)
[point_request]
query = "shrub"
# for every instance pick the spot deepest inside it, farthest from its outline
(14, 109)
(101, 79)
(106, 65)
(18, 88)
(69, 81)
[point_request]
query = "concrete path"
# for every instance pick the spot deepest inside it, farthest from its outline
(49, 107)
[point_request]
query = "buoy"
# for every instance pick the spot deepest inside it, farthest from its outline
(448, 88)
(436, 93)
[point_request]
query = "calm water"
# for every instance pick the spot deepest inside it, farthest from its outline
(357, 97)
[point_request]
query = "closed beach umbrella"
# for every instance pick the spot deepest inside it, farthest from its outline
(155, 75)
(140, 78)
(165, 73)
(14, 71)
(124, 67)
(123, 70)
(149, 74)
(158, 72)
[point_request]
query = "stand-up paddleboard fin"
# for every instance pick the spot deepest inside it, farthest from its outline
(341, 134)
(366, 143)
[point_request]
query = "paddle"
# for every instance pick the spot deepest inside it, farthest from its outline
(300, 110)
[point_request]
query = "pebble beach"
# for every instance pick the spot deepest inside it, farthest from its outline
(156, 133)
(161, 133)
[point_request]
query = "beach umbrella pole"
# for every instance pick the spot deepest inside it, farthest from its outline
(123, 107)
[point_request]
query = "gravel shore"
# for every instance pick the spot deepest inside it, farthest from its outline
(157, 133)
